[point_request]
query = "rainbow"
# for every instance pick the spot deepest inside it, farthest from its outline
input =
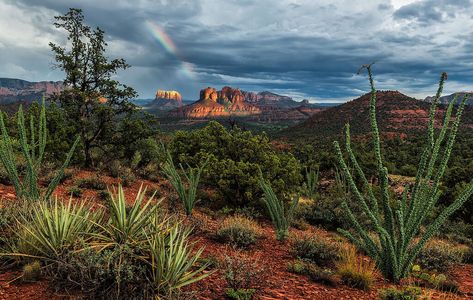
(167, 43)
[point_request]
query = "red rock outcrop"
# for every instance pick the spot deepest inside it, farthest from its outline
(15, 90)
(166, 100)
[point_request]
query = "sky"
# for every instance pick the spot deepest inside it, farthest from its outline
(301, 48)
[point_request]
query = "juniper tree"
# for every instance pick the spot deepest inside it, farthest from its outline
(93, 101)
(397, 222)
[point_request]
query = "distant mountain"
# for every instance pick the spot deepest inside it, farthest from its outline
(397, 115)
(17, 90)
(449, 98)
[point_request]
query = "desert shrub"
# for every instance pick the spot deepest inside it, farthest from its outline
(103, 195)
(234, 159)
(127, 177)
(240, 294)
(149, 171)
(68, 174)
(311, 183)
(315, 249)
(407, 293)
(355, 271)
(315, 273)
(113, 273)
(439, 256)
(74, 191)
(238, 231)
(397, 222)
(320, 275)
(242, 272)
(92, 183)
(297, 267)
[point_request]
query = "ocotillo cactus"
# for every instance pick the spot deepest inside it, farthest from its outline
(32, 148)
(397, 225)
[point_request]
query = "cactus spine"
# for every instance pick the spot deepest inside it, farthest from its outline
(397, 223)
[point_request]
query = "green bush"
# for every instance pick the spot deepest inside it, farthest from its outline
(242, 272)
(439, 256)
(408, 293)
(74, 191)
(92, 183)
(315, 249)
(240, 294)
(234, 159)
(239, 231)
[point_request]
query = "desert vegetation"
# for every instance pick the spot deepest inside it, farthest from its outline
(104, 205)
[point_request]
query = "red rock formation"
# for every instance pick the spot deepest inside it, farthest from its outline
(169, 95)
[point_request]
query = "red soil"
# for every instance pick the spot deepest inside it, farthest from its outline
(270, 254)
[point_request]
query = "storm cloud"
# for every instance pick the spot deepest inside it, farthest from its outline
(302, 48)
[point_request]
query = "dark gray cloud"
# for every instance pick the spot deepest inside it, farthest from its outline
(303, 48)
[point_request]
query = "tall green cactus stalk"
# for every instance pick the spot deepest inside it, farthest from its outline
(280, 215)
(312, 181)
(397, 222)
(32, 148)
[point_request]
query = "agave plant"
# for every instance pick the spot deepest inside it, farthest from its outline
(52, 228)
(126, 225)
(280, 216)
(397, 222)
(172, 260)
(187, 194)
(33, 151)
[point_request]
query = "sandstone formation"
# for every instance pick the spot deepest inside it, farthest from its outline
(166, 100)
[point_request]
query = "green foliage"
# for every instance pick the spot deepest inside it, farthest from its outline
(52, 229)
(187, 194)
(355, 271)
(311, 184)
(243, 272)
(281, 216)
(95, 104)
(172, 261)
(240, 294)
(234, 159)
(397, 225)
(239, 231)
(126, 225)
(407, 293)
(315, 249)
(92, 183)
(33, 149)
(439, 256)
(75, 191)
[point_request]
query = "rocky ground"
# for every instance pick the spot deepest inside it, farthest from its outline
(270, 255)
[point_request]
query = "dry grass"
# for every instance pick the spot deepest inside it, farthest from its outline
(239, 231)
(355, 271)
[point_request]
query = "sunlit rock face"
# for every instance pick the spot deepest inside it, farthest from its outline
(166, 100)
(169, 95)
(212, 103)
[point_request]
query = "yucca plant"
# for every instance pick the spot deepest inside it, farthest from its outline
(187, 192)
(280, 215)
(311, 183)
(397, 222)
(126, 225)
(52, 228)
(32, 148)
(172, 260)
